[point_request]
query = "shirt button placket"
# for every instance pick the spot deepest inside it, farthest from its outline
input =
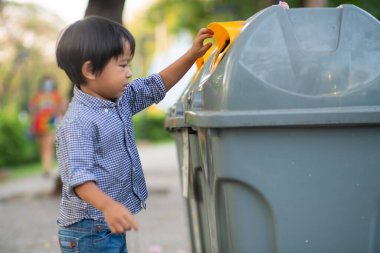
(135, 187)
(133, 171)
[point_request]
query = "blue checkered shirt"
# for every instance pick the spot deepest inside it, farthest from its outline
(95, 142)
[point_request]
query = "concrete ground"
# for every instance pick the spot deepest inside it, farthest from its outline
(29, 210)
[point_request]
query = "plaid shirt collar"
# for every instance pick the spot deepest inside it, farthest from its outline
(91, 101)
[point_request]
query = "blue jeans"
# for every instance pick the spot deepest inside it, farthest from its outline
(90, 236)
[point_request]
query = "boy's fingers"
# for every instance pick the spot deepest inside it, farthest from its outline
(132, 223)
(201, 40)
(205, 36)
(120, 229)
(204, 31)
(125, 224)
(206, 47)
(115, 229)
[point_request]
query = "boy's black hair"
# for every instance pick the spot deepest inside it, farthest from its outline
(94, 39)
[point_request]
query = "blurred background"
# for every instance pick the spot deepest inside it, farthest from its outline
(163, 30)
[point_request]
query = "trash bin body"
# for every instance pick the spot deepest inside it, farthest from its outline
(294, 189)
(189, 162)
(286, 135)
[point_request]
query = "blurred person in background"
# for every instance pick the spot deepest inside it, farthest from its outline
(45, 107)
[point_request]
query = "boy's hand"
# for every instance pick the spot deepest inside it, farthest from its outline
(198, 49)
(118, 218)
(172, 74)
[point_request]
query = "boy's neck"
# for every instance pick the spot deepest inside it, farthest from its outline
(83, 88)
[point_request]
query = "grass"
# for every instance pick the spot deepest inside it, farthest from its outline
(22, 171)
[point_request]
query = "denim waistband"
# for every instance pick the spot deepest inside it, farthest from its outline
(89, 225)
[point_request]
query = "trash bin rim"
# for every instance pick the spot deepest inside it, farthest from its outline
(175, 123)
(355, 115)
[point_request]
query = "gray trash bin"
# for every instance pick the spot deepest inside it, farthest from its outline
(286, 135)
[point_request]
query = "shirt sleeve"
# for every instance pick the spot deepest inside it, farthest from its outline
(75, 151)
(143, 92)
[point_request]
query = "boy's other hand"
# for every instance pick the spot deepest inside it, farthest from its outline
(199, 49)
(119, 219)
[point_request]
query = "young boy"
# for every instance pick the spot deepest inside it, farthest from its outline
(103, 182)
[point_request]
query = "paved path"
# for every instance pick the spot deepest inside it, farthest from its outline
(28, 210)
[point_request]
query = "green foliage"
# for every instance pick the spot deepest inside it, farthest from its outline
(15, 145)
(193, 14)
(370, 6)
(295, 3)
(25, 170)
(27, 48)
(150, 127)
(180, 14)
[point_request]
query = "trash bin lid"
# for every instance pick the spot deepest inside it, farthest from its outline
(225, 34)
(295, 67)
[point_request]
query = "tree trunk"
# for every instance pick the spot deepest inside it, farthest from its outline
(314, 3)
(111, 9)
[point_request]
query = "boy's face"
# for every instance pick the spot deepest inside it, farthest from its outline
(113, 80)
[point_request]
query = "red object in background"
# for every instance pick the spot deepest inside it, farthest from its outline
(45, 109)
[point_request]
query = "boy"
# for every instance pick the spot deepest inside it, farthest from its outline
(103, 182)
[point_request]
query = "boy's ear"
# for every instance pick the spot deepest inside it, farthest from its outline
(88, 70)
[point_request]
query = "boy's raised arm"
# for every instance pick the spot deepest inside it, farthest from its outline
(174, 72)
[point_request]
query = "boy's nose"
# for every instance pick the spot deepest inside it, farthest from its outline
(128, 74)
